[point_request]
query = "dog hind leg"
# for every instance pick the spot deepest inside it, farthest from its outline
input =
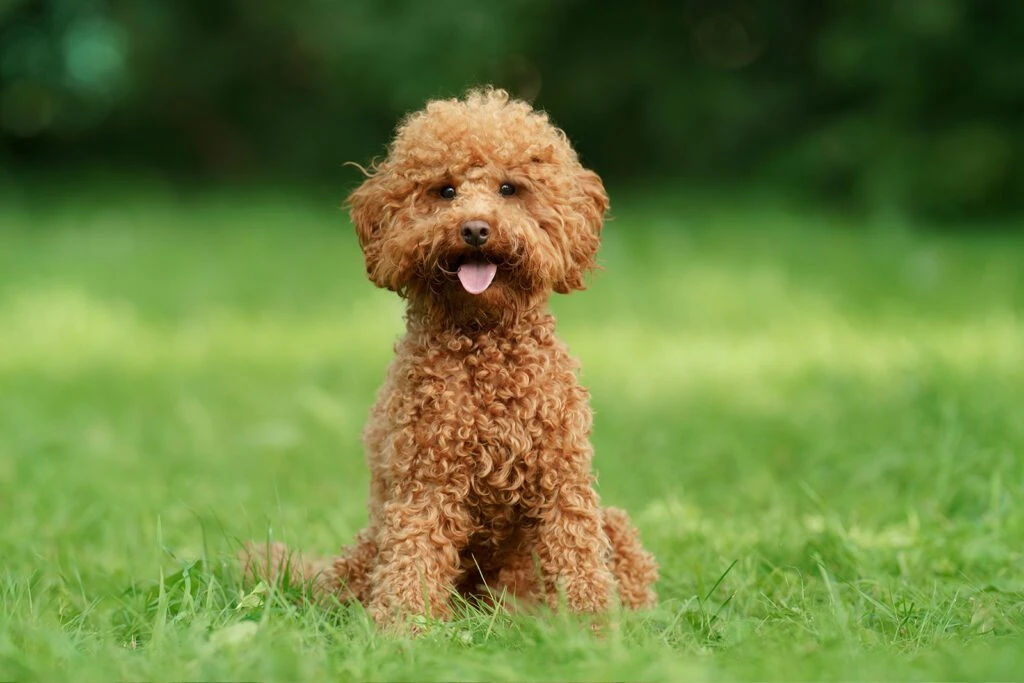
(634, 568)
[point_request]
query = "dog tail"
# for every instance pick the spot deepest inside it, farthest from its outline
(325, 580)
(276, 564)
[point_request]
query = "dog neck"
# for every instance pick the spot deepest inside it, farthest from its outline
(435, 317)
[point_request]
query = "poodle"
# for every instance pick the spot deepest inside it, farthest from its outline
(478, 444)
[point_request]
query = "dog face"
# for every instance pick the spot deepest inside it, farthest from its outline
(480, 203)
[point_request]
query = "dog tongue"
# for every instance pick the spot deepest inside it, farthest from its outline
(476, 276)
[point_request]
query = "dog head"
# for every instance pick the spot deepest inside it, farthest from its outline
(481, 204)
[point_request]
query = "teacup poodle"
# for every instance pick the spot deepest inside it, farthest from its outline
(478, 447)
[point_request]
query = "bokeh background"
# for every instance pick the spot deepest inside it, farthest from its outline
(912, 105)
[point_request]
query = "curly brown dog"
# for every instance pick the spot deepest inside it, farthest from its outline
(478, 446)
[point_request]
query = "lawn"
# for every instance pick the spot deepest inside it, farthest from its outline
(817, 423)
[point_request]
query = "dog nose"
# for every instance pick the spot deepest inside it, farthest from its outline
(475, 233)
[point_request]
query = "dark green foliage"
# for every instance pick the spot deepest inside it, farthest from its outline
(884, 104)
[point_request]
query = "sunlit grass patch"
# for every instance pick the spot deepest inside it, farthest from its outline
(65, 331)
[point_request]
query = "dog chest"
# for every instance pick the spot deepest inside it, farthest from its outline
(488, 410)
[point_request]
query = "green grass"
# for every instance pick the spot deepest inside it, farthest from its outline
(817, 425)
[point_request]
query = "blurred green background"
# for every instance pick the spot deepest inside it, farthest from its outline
(877, 105)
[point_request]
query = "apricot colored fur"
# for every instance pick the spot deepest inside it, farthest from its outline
(478, 444)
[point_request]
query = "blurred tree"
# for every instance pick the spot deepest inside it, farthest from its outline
(912, 104)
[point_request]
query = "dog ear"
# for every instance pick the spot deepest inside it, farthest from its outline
(584, 230)
(366, 210)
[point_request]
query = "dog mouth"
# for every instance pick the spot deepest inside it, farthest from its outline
(476, 274)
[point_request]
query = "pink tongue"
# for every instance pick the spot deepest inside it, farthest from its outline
(476, 276)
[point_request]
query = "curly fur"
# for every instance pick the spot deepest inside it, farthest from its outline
(478, 445)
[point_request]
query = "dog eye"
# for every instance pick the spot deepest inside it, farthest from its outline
(507, 189)
(447, 192)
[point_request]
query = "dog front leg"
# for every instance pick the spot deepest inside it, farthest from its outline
(573, 549)
(418, 566)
